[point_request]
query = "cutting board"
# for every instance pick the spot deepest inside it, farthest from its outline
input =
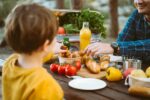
(87, 74)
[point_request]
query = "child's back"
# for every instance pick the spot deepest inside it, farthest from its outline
(23, 75)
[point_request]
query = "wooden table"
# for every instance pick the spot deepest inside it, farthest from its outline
(114, 90)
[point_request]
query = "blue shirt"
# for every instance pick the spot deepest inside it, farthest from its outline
(134, 39)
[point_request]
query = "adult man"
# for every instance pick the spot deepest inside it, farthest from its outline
(134, 39)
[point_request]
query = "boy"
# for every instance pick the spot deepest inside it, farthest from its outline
(30, 31)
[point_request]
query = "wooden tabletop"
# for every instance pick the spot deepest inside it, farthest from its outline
(114, 90)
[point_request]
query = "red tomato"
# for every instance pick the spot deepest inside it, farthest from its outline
(70, 71)
(78, 65)
(61, 30)
(54, 67)
(61, 70)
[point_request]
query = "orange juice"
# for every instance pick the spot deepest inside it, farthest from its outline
(85, 36)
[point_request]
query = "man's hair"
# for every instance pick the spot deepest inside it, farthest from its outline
(28, 26)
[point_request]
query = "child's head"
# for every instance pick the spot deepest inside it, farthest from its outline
(28, 26)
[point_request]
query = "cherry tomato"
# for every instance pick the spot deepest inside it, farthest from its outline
(61, 70)
(54, 67)
(70, 70)
(78, 65)
(61, 30)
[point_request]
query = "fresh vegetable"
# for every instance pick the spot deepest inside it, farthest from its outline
(72, 21)
(113, 74)
(70, 28)
(61, 70)
(70, 71)
(78, 65)
(54, 67)
(61, 30)
(67, 69)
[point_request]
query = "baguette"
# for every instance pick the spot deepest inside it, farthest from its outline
(105, 58)
(93, 67)
(104, 65)
(139, 91)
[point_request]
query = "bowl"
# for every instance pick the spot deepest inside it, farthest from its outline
(135, 81)
(63, 60)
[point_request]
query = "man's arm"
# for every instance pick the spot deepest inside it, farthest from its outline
(139, 49)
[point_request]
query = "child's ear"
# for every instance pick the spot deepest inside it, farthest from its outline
(46, 46)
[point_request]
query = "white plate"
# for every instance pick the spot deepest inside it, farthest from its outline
(87, 84)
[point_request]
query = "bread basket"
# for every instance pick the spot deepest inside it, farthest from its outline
(63, 60)
(136, 81)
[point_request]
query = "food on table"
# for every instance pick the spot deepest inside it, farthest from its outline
(66, 54)
(61, 70)
(127, 72)
(72, 21)
(61, 30)
(148, 72)
(70, 28)
(93, 66)
(138, 73)
(66, 42)
(54, 67)
(104, 58)
(78, 65)
(139, 91)
(66, 69)
(63, 47)
(104, 65)
(104, 62)
(70, 70)
(85, 36)
(113, 74)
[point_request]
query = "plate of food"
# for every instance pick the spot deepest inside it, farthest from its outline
(87, 84)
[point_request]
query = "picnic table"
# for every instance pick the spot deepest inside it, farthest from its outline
(113, 90)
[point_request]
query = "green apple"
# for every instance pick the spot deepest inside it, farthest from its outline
(138, 73)
(148, 72)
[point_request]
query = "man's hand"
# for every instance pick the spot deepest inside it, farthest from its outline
(58, 49)
(99, 48)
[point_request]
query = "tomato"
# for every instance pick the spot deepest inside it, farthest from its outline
(70, 70)
(78, 65)
(61, 70)
(54, 67)
(61, 30)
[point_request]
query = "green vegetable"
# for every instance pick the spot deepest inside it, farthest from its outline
(73, 21)
(70, 28)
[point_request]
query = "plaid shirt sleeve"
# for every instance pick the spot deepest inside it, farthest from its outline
(138, 49)
(128, 44)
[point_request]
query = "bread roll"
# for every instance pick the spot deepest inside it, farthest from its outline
(93, 66)
(139, 91)
(105, 58)
(104, 65)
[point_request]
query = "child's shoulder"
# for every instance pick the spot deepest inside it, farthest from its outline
(42, 75)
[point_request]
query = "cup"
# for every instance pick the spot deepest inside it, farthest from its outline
(131, 63)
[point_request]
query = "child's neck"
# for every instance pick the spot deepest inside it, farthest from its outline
(30, 61)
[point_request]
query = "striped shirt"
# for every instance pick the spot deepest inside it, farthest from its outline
(134, 39)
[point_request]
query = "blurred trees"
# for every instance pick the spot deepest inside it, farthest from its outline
(113, 6)
(6, 6)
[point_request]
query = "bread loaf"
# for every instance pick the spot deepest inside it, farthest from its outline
(139, 91)
(104, 65)
(92, 66)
